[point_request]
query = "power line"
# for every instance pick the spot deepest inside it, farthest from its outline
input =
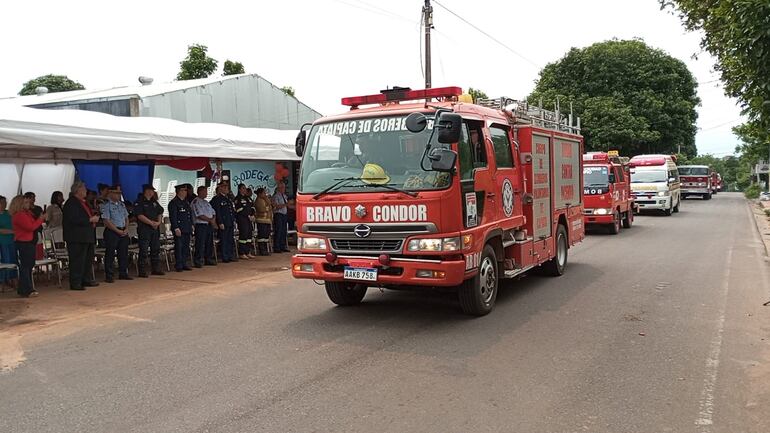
(364, 6)
(521, 56)
(720, 125)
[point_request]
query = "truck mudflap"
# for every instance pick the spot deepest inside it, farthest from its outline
(399, 271)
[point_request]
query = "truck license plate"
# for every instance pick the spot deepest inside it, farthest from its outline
(363, 274)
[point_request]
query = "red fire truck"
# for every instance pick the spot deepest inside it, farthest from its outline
(607, 191)
(442, 193)
(716, 182)
(697, 180)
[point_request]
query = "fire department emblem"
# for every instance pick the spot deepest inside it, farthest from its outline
(360, 211)
(507, 198)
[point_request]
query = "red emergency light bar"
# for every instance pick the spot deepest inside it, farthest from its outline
(596, 157)
(641, 161)
(402, 94)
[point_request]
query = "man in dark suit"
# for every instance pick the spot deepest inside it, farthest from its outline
(78, 222)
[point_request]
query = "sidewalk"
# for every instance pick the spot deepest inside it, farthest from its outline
(57, 305)
(762, 219)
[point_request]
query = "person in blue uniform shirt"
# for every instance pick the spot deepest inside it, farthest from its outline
(181, 218)
(225, 210)
(205, 221)
(115, 219)
(149, 219)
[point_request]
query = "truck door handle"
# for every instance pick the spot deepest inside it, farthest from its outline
(490, 195)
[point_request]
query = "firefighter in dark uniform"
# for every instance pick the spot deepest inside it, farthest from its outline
(149, 218)
(244, 214)
(181, 217)
(225, 210)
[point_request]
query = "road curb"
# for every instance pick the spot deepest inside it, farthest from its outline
(761, 224)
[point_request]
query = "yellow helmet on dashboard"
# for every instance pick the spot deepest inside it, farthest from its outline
(374, 174)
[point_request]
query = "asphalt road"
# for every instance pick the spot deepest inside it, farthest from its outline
(658, 329)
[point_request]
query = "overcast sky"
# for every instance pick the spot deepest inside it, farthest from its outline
(327, 49)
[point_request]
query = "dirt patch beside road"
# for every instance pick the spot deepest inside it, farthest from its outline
(56, 305)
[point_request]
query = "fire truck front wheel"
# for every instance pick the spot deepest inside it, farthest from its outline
(628, 219)
(478, 294)
(345, 294)
(615, 226)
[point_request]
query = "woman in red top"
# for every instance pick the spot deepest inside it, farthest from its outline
(25, 227)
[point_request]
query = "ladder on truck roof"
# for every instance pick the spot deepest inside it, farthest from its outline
(525, 114)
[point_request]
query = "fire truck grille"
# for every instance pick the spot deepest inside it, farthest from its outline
(367, 244)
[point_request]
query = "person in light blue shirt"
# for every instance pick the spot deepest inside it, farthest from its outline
(115, 219)
(205, 219)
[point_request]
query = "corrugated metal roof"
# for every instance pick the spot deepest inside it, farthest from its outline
(139, 91)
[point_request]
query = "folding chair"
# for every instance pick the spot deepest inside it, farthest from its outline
(47, 261)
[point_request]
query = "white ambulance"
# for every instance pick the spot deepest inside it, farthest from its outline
(655, 183)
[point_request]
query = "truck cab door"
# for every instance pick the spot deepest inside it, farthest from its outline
(475, 175)
(508, 187)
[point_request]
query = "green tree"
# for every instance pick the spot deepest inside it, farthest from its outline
(54, 83)
(630, 97)
(197, 64)
(737, 34)
(477, 94)
(233, 68)
(288, 90)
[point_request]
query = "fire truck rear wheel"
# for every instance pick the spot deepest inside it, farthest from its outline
(478, 294)
(628, 219)
(615, 226)
(555, 267)
(345, 294)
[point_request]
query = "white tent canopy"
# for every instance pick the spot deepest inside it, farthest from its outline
(29, 133)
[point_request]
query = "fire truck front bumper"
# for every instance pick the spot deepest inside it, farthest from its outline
(598, 219)
(399, 271)
(695, 191)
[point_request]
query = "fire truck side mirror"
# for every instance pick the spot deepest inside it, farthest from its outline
(416, 122)
(449, 127)
(442, 159)
(299, 143)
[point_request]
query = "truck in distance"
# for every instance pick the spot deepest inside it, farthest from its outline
(697, 180)
(607, 191)
(655, 183)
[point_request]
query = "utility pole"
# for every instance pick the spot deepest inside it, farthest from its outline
(427, 15)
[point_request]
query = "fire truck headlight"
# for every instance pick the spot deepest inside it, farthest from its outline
(602, 211)
(702, 184)
(425, 245)
(451, 244)
(304, 243)
(663, 193)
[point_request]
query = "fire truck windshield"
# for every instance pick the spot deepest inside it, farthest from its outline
(693, 171)
(390, 153)
(648, 176)
(595, 176)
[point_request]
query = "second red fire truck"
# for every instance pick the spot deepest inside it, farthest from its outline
(442, 193)
(607, 191)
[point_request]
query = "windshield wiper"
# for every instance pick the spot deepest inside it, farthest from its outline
(387, 186)
(339, 183)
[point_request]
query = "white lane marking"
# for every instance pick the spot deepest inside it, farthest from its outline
(129, 317)
(706, 412)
